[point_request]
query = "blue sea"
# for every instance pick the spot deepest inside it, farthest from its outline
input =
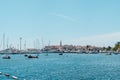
(62, 67)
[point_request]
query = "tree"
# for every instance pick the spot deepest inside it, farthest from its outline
(109, 48)
(117, 46)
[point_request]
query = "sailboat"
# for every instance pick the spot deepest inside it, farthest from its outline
(4, 50)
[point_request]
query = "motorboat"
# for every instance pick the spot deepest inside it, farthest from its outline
(61, 54)
(25, 55)
(7, 75)
(6, 57)
(14, 77)
(32, 56)
(0, 73)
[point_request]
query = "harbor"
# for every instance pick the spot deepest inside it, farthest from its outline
(60, 62)
(57, 67)
(60, 48)
(59, 39)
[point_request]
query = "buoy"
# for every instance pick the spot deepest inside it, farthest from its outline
(14, 77)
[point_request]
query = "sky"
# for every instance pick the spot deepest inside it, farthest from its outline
(77, 22)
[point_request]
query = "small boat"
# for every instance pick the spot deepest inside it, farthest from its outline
(32, 56)
(46, 54)
(116, 53)
(6, 57)
(61, 54)
(0, 73)
(7, 75)
(25, 55)
(109, 53)
(14, 77)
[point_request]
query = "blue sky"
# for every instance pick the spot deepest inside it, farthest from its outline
(77, 22)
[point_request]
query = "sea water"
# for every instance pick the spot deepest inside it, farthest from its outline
(62, 67)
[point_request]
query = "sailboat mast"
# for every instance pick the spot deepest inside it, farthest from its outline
(3, 41)
(7, 43)
(25, 45)
(42, 43)
(20, 43)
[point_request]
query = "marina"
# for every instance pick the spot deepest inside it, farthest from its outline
(56, 67)
(59, 39)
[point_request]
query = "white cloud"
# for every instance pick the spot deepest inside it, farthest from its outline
(99, 40)
(63, 16)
